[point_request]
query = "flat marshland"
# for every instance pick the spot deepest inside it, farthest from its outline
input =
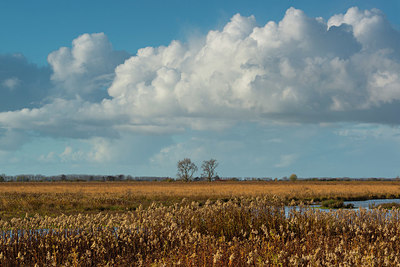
(243, 231)
(195, 224)
(55, 198)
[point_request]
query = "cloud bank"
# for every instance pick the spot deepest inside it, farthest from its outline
(300, 69)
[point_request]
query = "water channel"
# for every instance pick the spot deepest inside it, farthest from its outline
(365, 204)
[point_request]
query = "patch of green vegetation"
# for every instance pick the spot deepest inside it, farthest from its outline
(335, 204)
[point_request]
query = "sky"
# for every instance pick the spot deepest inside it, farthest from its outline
(268, 88)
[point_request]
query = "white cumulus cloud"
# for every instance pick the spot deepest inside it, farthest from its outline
(300, 69)
(86, 69)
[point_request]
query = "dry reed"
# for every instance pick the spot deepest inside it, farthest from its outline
(54, 198)
(239, 232)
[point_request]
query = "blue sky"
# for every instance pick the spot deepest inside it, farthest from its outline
(268, 88)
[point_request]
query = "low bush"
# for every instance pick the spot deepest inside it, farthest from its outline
(335, 204)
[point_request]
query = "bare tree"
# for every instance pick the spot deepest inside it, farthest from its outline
(209, 167)
(186, 169)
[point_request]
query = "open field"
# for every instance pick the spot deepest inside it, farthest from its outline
(55, 198)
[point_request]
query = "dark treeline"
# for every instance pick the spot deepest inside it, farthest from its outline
(76, 178)
(122, 177)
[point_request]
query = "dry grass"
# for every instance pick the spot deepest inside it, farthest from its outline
(189, 227)
(239, 232)
(300, 190)
(54, 198)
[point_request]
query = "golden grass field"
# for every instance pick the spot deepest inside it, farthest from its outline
(184, 224)
(299, 190)
(55, 198)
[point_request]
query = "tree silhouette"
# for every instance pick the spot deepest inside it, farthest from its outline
(186, 169)
(208, 168)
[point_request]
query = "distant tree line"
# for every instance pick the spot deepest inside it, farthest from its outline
(77, 178)
(186, 171)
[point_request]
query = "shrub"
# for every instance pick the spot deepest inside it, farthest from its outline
(335, 204)
(293, 177)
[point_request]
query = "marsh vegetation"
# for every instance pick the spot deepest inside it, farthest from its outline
(195, 224)
(55, 198)
(238, 232)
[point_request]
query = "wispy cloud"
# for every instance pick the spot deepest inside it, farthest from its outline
(286, 160)
(11, 83)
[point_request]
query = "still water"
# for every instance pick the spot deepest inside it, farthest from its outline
(365, 204)
(368, 203)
